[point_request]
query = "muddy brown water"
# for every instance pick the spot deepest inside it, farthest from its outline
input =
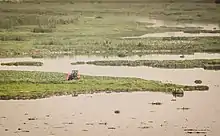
(165, 75)
(93, 114)
(90, 115)
(179, 76)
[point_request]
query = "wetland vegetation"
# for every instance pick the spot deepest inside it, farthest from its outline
(208, 64)
(22, 63)
(51, 28)
(33, 85)
(48, 28)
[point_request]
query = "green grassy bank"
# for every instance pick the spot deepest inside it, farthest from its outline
(33, 85)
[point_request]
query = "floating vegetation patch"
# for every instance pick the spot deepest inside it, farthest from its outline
(78, 63)
(196, 131)
(23, 63)
(183, 108)
(202, 31)
(198, 81)
(34, 85)
(208, 64)
(156, 103)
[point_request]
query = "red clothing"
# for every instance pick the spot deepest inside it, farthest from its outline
(67, 77)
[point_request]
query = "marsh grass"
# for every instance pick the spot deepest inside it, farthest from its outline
(211, 64)
(120, 47)
(78, 63)
(22, 63)
(201, 31)
(84, 26)
(42, 30)
(33, 85)
(11, 38)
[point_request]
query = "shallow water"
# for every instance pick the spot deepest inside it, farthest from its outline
(174, 34)
(161, 23)
(82, 115)
(180, 76)
(86, 115)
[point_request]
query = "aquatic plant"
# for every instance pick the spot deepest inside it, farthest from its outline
(23, 63)
(211, 64)
(33, 85)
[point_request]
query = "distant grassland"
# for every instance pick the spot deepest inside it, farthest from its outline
(44, 27)
(34, 85)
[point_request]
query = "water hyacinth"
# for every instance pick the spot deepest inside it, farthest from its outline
(23, 63)
(211, 64)
(33, 85)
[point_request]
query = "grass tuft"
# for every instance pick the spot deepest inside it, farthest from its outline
(78, 63)
(42, 30)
